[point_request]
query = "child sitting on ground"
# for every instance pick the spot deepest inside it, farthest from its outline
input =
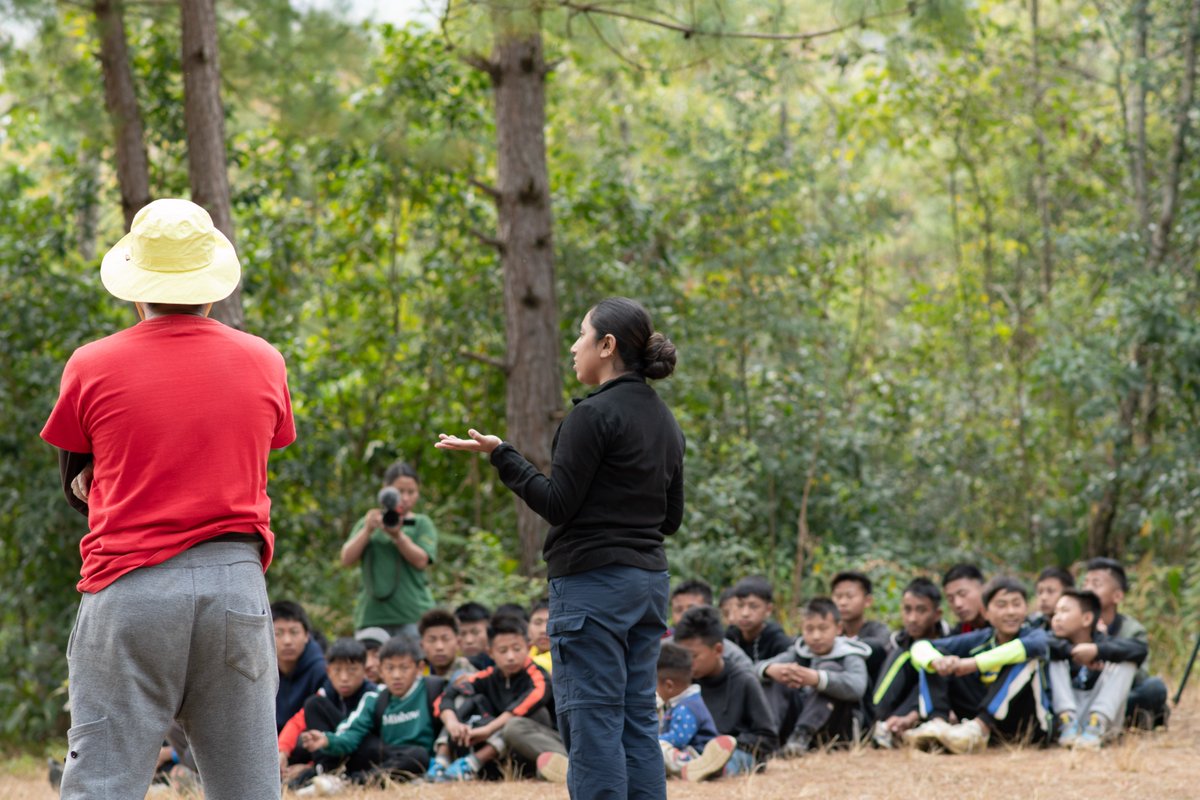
(393, 729)
(1090, 673)
(753, 629)
(851, 593)
(373, 639)
(1147, 704)
(992, 679)
(732, 694)
(1050, 585)
(473, 619)
(727, 605)
(963, 586)
(504, 709)
(539, 635)
(299, 656)
(688, 594)
(344, 688)
(819, 682)
(692, 748)
(895, 701)
(439, 641)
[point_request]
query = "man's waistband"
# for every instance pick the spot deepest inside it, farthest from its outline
(234, 538)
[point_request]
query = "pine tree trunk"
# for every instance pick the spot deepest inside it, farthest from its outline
(204, 117)
(120, 97)
(1139, 403)
(534, 392)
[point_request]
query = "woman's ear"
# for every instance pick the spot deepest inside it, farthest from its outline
(608, 346)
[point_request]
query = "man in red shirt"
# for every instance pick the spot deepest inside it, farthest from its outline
(163, 431)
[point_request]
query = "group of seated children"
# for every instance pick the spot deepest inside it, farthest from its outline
(473, 696)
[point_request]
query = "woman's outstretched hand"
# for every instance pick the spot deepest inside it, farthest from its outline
(478, 443)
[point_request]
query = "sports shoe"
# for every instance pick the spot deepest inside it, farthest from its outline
(323, 786)
(927, 734)
(968, 736)
(552, 767)
(1068, 729)
(712, 761)
(882, 737)
(56, 771)
(797, 744)
(1093, 733)
(460, 770)
(436, 772)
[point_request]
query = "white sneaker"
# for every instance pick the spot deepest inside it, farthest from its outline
(968, 736)
(882, 737)
(322, 786)
(926, 734)
(712, 761)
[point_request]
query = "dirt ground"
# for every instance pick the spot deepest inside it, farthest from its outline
(1162, 765)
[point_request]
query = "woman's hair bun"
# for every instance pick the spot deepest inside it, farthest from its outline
(658, 359)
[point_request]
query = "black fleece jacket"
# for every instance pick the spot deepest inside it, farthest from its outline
(739, 708)
(770, 642)
(616, 480)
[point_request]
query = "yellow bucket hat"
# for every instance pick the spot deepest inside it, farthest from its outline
(172, 254)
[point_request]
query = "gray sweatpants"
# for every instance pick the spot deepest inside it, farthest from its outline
(189, 639)
(1106, 697)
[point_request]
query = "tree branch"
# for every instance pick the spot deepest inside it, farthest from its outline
(481, 63)
(483, 358)
(492, 191)
(490, 241)
(689, 31)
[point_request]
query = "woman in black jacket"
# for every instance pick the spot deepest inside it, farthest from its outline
(614, 492)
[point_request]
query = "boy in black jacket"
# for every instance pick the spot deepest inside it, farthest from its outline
(895, 702)
(502, 709)
(752, 628)
(1050, 584)
(1147, 705)
(733, 695)
(344, 688)
(851, 592)
(1090, 673)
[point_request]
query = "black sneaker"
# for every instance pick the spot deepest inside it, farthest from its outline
(303, 779)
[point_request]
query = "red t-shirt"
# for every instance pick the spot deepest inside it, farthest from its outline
(179, 413)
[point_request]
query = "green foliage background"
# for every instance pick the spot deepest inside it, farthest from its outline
(842, 238)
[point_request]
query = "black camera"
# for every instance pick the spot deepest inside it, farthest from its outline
(389, 499)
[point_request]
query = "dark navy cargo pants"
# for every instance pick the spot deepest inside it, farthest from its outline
(605, 628)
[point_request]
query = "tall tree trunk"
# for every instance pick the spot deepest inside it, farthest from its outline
(525, 240)
(120, 98)
(1183, 112)
(1141, 399)
(1040, 178)
(1138, 158)
(204, 117)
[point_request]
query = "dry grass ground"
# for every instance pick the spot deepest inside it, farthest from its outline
(1163, 765)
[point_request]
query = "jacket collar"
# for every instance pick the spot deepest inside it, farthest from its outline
(690, 691)
(604, 387)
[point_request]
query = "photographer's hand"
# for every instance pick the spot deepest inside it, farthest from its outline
(478, 443)
(373, 521)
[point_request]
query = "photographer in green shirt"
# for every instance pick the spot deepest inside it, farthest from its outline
(395, 548)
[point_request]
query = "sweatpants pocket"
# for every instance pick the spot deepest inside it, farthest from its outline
(247, 643)
(87, 754)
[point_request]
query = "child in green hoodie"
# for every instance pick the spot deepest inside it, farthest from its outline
(393, 729)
